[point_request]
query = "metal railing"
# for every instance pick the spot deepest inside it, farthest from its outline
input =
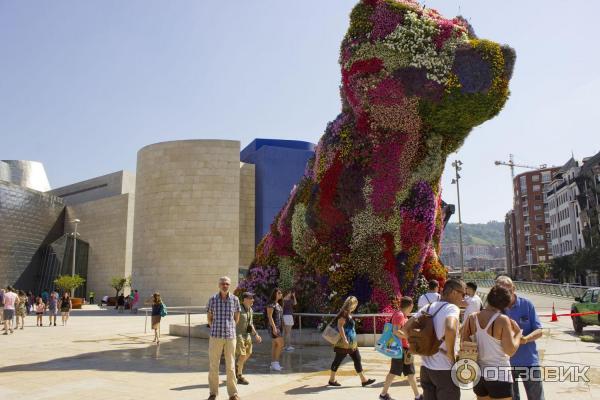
(185, 310)
(189, 310)
(552, 289)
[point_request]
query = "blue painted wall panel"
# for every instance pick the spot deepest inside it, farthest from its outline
(279, 166)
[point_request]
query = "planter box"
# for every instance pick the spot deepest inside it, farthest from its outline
(77, 303)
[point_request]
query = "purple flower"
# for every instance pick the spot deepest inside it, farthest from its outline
(474, 73)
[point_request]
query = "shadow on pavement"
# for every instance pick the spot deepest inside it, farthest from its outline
(190, 387)
(172, 357)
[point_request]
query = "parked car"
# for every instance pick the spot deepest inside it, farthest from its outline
(587, 302)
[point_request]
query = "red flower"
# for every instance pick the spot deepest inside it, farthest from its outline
(330, 215)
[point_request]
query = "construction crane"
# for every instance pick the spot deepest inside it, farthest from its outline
(512, 165)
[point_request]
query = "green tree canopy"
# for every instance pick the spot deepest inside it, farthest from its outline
(67, 283)
(120, 283)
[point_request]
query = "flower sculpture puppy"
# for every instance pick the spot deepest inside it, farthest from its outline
(366, 218)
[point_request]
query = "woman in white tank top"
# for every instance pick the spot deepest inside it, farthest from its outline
(498, 338)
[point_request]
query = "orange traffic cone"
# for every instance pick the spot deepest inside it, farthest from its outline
(554, 317)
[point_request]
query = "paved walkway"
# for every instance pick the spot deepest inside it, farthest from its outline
(103, 355)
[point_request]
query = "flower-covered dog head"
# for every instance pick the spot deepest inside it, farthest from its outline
(406, 69)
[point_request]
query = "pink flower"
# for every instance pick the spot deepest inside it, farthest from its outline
(385, 21)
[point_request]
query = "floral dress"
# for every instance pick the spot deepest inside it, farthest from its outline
(22, 306)
(277, 319)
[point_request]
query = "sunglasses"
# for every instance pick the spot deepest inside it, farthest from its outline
(224, 284)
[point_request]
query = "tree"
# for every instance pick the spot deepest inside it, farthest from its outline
(542, 270)
(562, 268)
(119, 283)
(68, 283)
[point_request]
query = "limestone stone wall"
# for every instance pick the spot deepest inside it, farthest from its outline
(186, 223)
(107, 225)
(247, 214)
(97, 188)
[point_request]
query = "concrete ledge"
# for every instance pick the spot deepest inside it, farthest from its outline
(308, 337)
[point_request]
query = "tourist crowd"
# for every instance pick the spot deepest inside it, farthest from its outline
(500, 336)
(15, 305)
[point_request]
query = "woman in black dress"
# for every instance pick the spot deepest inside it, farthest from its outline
(274, 325)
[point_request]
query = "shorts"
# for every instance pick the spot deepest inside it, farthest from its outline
(39, 313)
(53, 311)
(398, 367)
(493, 389)
(243, 346)
(288, 320)
(8, 314)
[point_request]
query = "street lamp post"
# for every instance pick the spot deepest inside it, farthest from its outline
(457, 167)
(75, 221)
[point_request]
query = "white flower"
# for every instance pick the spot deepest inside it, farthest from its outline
(415, 38)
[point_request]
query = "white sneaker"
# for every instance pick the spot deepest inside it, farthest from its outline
(275, 366)
(290, 348)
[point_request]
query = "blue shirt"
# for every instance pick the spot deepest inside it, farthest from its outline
(523, 312)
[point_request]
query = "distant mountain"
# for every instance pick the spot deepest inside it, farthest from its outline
(491, 233)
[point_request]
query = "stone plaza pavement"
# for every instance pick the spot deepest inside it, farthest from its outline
(102, 354)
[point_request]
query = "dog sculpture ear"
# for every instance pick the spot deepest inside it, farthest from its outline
(510, 57)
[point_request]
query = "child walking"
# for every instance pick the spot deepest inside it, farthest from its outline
(401, 366)
(40, 308)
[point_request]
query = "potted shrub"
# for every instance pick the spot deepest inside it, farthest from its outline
(68, 283)
(119, 284)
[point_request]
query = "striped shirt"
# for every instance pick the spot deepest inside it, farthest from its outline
(223, 312)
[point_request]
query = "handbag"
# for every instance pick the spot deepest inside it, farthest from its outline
(163, 310)
(331, 334)
(389, 344)
(469, 350)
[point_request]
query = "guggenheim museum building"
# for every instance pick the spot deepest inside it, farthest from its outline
(193, 211)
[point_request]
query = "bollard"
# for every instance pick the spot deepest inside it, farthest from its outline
(146, 322)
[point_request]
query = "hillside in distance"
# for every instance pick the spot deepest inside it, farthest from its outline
(491, 234)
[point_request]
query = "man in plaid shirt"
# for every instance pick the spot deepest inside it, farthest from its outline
(223, 311)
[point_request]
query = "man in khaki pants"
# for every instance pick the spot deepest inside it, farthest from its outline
(223, 312)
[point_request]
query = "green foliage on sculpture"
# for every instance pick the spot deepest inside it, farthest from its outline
(366, 219)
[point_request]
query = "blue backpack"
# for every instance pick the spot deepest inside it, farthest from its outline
(163, 310)
(389, 344)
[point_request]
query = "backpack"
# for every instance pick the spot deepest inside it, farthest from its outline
(163, 310)
(422, 338)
